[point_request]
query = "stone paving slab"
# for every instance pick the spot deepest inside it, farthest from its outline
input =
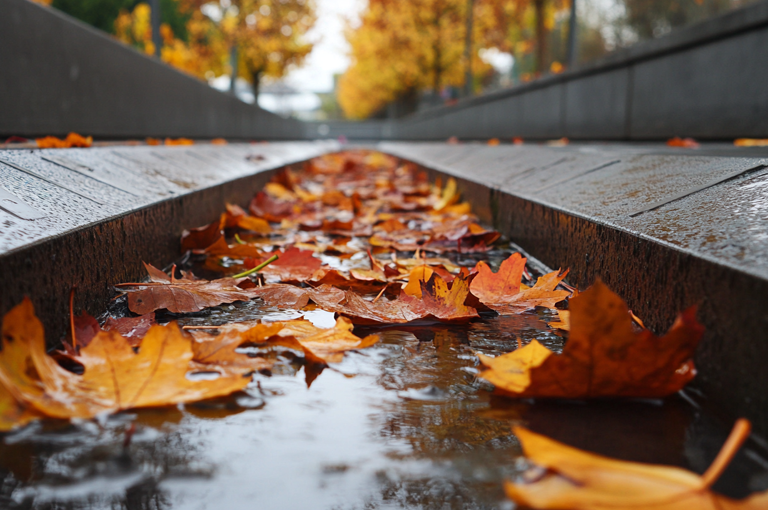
(710, 205)
(47, 193)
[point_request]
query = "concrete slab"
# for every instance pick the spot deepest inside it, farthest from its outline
(664, 228)
(73, 188)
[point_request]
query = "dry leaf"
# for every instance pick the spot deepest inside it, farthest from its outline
(604, 356)
(577, 480)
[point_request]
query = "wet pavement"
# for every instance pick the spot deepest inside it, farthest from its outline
(52, 192)
(403, 424)
(709, 202)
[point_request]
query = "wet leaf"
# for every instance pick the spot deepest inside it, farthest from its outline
(503, 291)
(72, 140)
(131, 328)
(439, 302)
(220, 350)
(201, 238)
(604, 356)
(293, 264)
(116, 377)
(577, 480)
(182, 295)
(14, 413)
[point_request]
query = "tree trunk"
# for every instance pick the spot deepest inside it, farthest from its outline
(541, 37)
(255, 82)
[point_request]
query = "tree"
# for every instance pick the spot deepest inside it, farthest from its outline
(202, 53)
(269, 36)
(402, 47)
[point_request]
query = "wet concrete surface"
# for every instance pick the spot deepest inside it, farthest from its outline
(101, 212)
(73, 188)
(666, 228)
(403, 424)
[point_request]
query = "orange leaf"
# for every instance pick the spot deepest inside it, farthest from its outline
(686, 143)
(115, 377)
(603, 357)
(503, 291)
(14, 413)
(577, 480)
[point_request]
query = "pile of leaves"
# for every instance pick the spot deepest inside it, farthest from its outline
(373, 241)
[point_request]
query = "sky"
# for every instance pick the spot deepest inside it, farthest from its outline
(329, 55)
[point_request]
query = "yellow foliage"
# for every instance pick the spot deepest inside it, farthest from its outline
(403, 46)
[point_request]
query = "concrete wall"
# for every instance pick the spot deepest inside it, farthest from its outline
(59, 75)
(708, 81)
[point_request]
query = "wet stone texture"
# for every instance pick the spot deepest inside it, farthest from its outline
(102, 211)
(666, 228)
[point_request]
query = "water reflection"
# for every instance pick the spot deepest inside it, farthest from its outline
(404, 424)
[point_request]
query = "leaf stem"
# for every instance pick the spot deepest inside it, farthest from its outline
(72, 317)
(738, 435)
(257, 268)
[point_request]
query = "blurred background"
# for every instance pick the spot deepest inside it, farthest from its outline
(361, 59)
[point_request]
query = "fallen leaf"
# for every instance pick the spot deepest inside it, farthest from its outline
(72, 140)
(115, 378)
(13, 413)
(578, 480)
(751, 142)
(131, 328)
(326, 345)
(220, 350)
(686, 143)
(183, 295)
(203, 237)
(293, 264)
(438, 302)
(503, 291)
(563, 322)
(179, 141)
(604, 356)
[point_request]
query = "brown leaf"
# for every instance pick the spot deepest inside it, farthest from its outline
(202, 237)
(131, 328)
(438, 302)
(603, 357)
(577, 480)
(115, 377)
(293, 265)
(182, 296)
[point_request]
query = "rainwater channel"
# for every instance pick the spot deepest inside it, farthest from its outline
(403, 424)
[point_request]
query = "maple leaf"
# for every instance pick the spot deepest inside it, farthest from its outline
(320, 345)
(577, 480)
(116, 377)
(14, 413)
(182, 295)
(72, 140)
(220, 351)
(604, 356)
(293, 264)
(131, 328)
(202, 237)
(503, 293)
(437, 302)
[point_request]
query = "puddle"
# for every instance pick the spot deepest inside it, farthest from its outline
(402, 424)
